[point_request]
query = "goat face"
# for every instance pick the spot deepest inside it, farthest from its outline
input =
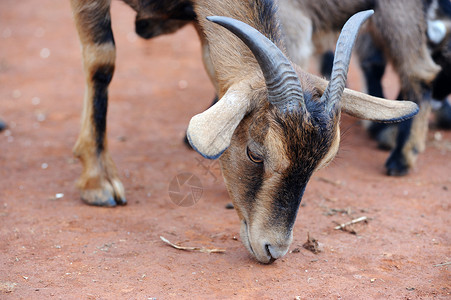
(155, 18)
(266, 168)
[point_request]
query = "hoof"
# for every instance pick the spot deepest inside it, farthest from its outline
(110, 196)
(98, 198)
(443, 115)
(3, 125)
(395, 167)
(397, 172)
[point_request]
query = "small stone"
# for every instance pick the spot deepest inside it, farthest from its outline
(17, 94)
(35, 100)
(438, 136)
(229, 205)
(45, 53)
(183, 84)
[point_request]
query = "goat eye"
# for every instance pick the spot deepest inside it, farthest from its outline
(254, 157)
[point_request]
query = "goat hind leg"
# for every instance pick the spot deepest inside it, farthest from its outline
(99, 183)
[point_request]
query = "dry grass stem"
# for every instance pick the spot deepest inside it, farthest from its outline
(199, 249)
(443, 264)
(358, 220)
(326, 180)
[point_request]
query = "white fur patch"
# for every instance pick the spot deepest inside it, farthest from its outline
(436, 31)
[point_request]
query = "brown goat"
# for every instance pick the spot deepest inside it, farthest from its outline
(272, 128)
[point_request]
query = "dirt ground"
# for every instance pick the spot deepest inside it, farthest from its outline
(54, 246)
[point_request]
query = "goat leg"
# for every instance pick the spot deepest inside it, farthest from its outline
(99, 183)
(410, 142)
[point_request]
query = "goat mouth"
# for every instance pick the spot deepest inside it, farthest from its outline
(247, 242)
(271, 259)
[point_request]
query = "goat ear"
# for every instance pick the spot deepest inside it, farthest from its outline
(210, 132)
(366, 107)
(363, 106)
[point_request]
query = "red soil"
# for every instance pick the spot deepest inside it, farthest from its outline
(61, 248)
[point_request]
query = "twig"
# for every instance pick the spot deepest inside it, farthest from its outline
(342, 226)
(200, 249)
(326, 180)
(443, 264)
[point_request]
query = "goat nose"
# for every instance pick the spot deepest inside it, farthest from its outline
(276, 251)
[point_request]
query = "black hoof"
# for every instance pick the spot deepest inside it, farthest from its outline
(3, 125)
(397, 172)
(396, 167)
(120, 201)
(443, 115)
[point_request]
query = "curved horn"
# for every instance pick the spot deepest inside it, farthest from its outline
(345, 43)
(282, 82)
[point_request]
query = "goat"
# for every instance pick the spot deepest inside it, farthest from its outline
(399, 28)
(272, 128)
(372, 62)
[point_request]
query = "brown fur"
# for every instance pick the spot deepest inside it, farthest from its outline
(230, 58)
(403, 37)
(99, 182)
(327, 15)
(156, 17)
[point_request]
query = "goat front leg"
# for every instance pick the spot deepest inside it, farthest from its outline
(411, 141)
(99, 183)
